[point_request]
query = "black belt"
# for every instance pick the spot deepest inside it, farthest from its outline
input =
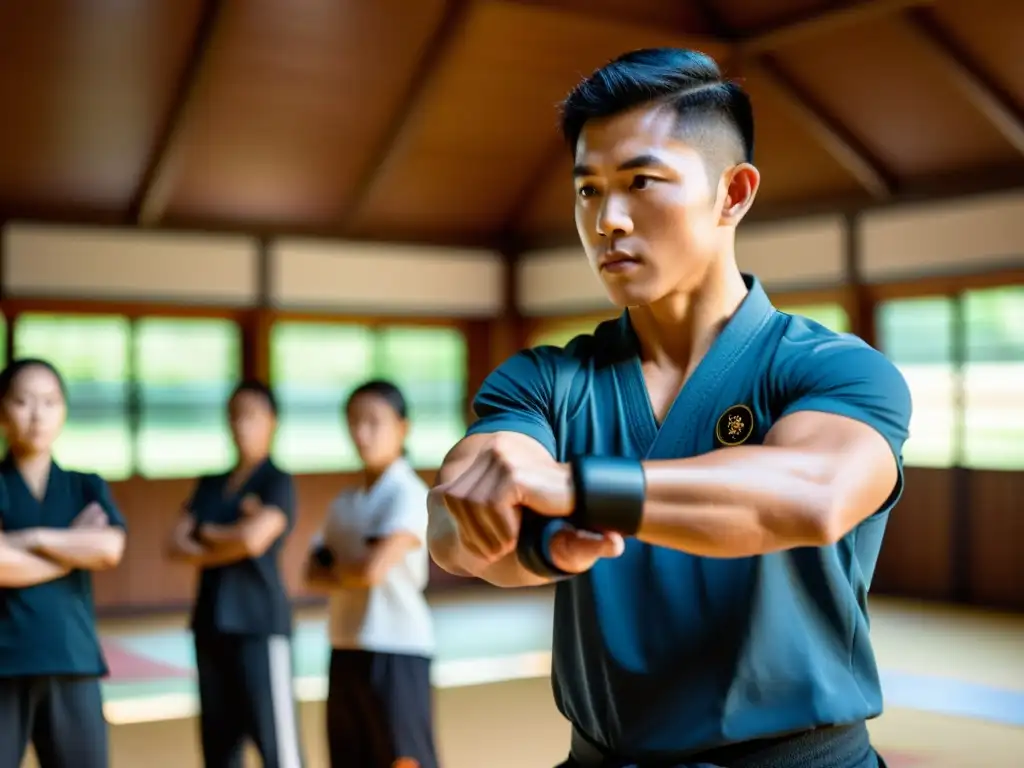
(840, 746)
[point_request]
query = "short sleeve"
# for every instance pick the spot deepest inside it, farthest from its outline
(407, 512)
(193, 498)
(519, 397)
(279, 492)
(99, 491)
(845, 376)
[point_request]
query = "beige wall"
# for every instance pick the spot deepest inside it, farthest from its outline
(126, 265)
(968, 235)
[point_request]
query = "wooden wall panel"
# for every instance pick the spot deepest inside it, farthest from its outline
(146, 580)
(996, 541)
(915, 559)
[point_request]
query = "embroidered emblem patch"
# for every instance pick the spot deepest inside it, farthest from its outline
(735, 425)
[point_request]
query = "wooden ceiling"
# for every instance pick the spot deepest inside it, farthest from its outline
(435, 120)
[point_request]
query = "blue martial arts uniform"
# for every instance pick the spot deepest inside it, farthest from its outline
(660, 656)
(50, 656)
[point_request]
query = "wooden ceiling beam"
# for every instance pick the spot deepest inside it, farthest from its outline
(151, 199)
(448, 29)
(750, 54)
(844, 148)
(984, 94)
(815, 24)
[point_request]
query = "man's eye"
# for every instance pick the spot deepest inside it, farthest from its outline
(588, 190)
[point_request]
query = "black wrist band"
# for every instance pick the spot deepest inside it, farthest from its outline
(323, 556)
(610, 492)
(534, 545)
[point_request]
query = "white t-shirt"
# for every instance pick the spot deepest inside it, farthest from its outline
(393, 616)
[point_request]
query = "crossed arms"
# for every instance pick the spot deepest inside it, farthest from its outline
(36, 555)
(379, 557)
(210, 545)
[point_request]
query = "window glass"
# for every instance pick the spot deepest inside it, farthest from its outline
(314, 366)
(994, 378)
(917, 335)
(429, 366)
(91, 353)
(185, 369)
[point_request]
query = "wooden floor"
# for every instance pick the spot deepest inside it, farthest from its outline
(953, 680)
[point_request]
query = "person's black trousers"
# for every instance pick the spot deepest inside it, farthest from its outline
(379, 709)
(61, 716)
(245, 691)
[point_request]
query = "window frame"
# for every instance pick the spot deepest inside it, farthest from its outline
(374, 323)
(255, 325)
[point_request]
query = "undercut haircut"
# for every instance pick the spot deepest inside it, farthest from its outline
(713, 114)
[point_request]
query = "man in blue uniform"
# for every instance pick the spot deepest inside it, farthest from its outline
(706, 478)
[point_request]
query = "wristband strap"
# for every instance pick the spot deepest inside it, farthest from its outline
(323, 556)
(534, 545)
(610, 492)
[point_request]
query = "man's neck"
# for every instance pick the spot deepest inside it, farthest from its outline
(680, 328)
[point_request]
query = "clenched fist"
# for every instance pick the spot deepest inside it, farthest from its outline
(485, 502)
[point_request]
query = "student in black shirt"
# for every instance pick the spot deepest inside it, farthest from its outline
(233, 529)
(56, 527)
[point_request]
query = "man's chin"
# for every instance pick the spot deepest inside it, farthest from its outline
(630, 295)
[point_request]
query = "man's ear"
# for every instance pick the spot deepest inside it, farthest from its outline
(741, 184)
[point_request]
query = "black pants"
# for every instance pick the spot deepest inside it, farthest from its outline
(379, 709)
(245, 691)
(63, 717)
(846, 746)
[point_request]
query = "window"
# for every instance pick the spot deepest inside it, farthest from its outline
(993, 378)
(91, 352)
(314, 367)
(917, 335)
(186, 370)
(429, 366)
(833, 316)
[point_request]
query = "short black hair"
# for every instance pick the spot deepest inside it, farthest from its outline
(717, 113)
(386, 391)
(259, 388)
(10, 374)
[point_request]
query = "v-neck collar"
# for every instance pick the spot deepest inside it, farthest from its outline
(385, 480)
(229, 493)
(11, 468)
(739, 332)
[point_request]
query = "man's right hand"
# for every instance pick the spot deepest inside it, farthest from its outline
(484, 485)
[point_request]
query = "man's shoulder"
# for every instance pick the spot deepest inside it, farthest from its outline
(580, 349)
(808, 347)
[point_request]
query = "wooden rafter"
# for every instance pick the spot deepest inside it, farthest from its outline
(984, 94)
(448, 28)
(844, 148)
(154, 192)
(815, 24)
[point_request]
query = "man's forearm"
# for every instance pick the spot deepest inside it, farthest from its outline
(19, 569)
(91, 549)
(740, 502)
